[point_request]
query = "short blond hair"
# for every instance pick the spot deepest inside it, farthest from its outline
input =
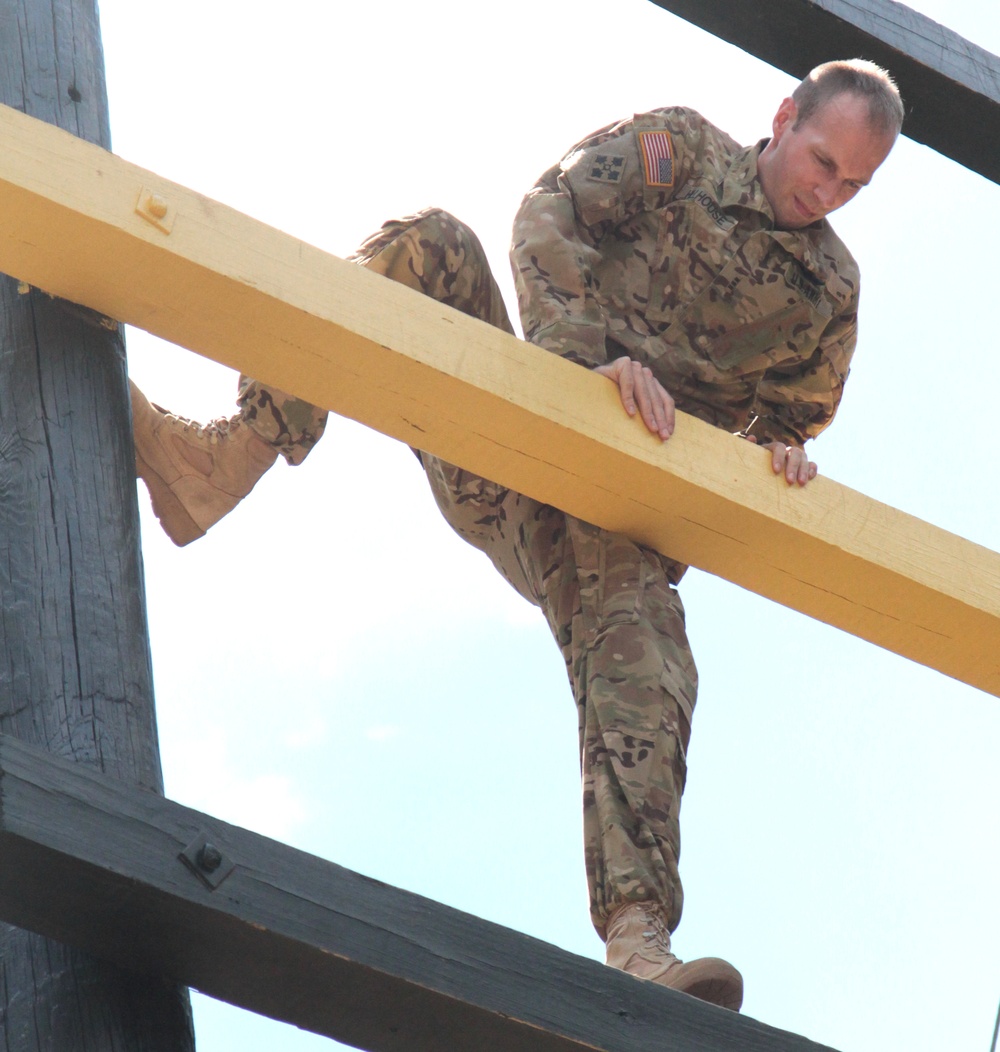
(858, 77)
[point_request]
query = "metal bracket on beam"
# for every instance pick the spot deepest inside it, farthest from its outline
(206, 861)
(156, 209)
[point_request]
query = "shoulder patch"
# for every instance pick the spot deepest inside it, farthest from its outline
(657, 157)
(607, 168)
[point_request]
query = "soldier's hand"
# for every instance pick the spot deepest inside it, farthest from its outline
(791, 461)
(641, 392)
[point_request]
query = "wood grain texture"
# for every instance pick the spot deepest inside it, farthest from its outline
(951, 86)
(74, 662)
(95, 862)
(276, 308)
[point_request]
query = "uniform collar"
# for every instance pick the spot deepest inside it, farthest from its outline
(741, 188)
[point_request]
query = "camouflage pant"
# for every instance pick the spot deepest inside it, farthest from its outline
(609, 603)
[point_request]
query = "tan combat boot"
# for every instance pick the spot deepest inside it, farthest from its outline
(638, 942)
(195, 473)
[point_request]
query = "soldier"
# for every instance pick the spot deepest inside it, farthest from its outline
(693, 273)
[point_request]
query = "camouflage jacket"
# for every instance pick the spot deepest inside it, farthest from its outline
(653, 239)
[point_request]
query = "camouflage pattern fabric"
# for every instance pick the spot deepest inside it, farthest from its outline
(291, 425)
(608, 602)
(653, 239)
(620, 627)
(427, 252)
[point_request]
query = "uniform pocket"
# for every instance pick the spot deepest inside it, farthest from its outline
(622, 577)
(763, 301)
(612, 573)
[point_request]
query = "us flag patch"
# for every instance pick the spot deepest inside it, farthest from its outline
(657, 157)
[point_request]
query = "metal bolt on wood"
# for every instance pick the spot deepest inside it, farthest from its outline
(209, 858)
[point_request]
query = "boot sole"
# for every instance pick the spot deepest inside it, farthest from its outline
(176, 522)
(709, 979)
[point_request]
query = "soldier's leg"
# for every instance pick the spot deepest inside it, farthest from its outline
(618, 622)
(431, 252)
(620, 626)
(290, 425)
(197, 473)
(610, 605)
(437, 255)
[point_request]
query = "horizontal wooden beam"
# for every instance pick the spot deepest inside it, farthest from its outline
(115, 870)
(75, 221)
(951, 86)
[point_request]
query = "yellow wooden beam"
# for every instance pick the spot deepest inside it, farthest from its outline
(83, 224)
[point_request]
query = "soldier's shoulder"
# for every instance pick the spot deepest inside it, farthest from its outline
(683, 122)
(700, 148)
(691, 126)
(639, 162)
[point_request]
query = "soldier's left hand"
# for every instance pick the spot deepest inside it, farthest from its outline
(791, 461)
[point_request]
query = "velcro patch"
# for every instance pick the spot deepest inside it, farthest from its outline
(808, 285)
(657, 157)
(607, 168)
(715, 212)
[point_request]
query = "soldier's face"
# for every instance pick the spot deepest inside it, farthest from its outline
(811, 169)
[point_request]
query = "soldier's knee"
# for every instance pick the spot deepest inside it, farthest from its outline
(439, 227)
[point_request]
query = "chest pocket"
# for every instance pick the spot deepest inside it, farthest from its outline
(763, 300)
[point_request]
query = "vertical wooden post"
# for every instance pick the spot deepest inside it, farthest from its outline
(75, 673)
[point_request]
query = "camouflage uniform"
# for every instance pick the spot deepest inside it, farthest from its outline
(653, 239)
(661, 249)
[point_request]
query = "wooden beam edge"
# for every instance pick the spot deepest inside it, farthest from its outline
(251, 297)
(93, 862)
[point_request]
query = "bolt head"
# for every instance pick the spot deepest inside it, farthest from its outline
(157, 206)
(209, 858)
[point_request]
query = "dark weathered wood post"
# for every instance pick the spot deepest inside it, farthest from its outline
(75, 673)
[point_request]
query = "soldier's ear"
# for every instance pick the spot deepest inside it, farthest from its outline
(784, 118)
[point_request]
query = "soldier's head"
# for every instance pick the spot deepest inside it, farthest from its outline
(828, 139)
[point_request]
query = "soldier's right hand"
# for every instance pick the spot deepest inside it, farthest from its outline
(641, 392)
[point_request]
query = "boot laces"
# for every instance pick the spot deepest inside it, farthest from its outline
(655, 932)
(214, 431)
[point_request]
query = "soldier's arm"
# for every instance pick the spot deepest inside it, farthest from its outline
(560, 233)
(796, 403)
(553, 257)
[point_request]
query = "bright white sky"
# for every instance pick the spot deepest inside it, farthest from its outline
(337, 670)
